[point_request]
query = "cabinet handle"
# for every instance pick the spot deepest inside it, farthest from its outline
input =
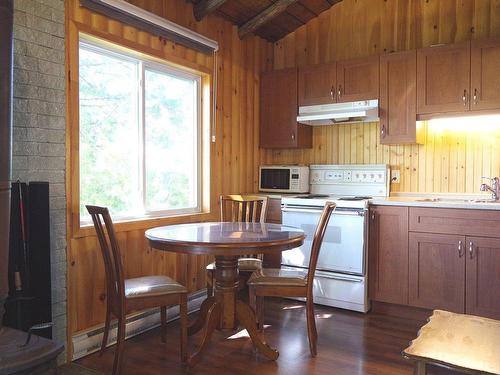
(340, 91)
(464, 98)
(459, 249)
(332, 93)
(293, 136)
(373, 215)
(382, 131)
(471, 249)
(475, 96)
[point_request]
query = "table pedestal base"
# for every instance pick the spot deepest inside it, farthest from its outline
(225, 311)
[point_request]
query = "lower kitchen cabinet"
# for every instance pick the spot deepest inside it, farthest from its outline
(388, 254)
(437, 271)
(436, 258)
(483, 276)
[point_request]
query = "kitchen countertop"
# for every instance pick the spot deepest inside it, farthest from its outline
(430, 200)
(461, 201)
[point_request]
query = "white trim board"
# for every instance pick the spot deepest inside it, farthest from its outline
(89, 341)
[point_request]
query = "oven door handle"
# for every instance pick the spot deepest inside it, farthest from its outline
(335, 277)
(318, 211)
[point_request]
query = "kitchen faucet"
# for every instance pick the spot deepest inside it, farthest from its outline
(494, 188)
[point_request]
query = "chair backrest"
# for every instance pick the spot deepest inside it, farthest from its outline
(110, 251)
(319, 234)
(244, 208)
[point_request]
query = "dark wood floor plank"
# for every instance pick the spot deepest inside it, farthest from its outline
(349, 344)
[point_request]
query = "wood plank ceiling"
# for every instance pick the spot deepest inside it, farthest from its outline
(269, 19)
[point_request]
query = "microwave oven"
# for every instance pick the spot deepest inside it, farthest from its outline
(284, 178)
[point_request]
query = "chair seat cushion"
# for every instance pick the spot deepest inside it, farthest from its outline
(249, 264)
(148, 286)
(278, 277)
(244, 264)
(211, 267)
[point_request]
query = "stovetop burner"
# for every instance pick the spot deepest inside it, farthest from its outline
(357, 198)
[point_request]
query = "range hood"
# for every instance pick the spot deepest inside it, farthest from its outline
(335, 113)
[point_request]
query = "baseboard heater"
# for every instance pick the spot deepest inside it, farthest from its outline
(89, 341)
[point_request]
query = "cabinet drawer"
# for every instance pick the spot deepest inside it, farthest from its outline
(274, 211)
(453, 221)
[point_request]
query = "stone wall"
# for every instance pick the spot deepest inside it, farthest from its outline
(39, 124)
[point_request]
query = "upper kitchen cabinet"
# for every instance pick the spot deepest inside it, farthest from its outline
(485, 74)
(358, 79)
(317, 84)
(443, 78)
(398, 100)
(278, 112)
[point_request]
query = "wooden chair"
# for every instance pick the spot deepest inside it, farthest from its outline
(275, 282)
(244, 208)
(126, 295)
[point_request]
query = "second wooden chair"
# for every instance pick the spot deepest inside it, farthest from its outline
(270, 282)
(243, 208)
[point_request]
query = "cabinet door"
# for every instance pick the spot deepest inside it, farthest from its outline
(317, 84)
(398, 98)
(483, 277)
(358, 79)
(437, 271)
(443, 78)
(278, 112)
(485, 74)
(388, 254)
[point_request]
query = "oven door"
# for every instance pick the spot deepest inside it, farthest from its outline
(343, 248)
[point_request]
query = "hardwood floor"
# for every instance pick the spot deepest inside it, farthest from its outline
(349, 344)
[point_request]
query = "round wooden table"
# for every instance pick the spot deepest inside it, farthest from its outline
(227, 242)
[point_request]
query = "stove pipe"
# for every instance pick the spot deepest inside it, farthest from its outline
(6, 73)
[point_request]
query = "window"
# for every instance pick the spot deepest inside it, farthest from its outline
(140, 132)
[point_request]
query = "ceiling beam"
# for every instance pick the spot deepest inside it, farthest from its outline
(265, 16)
(205, 7)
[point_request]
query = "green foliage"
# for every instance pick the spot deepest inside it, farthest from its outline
(111, 132)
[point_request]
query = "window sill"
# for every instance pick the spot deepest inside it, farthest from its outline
(144, 223)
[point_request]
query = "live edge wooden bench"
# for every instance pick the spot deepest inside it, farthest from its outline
(467, 343)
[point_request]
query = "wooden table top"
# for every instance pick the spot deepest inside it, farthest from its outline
(225, 238)
(463, 341)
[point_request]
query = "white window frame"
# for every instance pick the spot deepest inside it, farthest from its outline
(144, 63)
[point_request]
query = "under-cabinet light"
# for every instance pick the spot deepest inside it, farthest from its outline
(482, 123)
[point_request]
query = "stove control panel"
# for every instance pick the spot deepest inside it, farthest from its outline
(350, 179)
(368, 176)
(346, 176)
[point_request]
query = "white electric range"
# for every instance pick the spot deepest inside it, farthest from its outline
(341, 273)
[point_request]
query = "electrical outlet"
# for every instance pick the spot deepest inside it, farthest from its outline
(395, 176)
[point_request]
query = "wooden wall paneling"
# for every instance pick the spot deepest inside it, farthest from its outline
(449, 161)
(235, 154)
